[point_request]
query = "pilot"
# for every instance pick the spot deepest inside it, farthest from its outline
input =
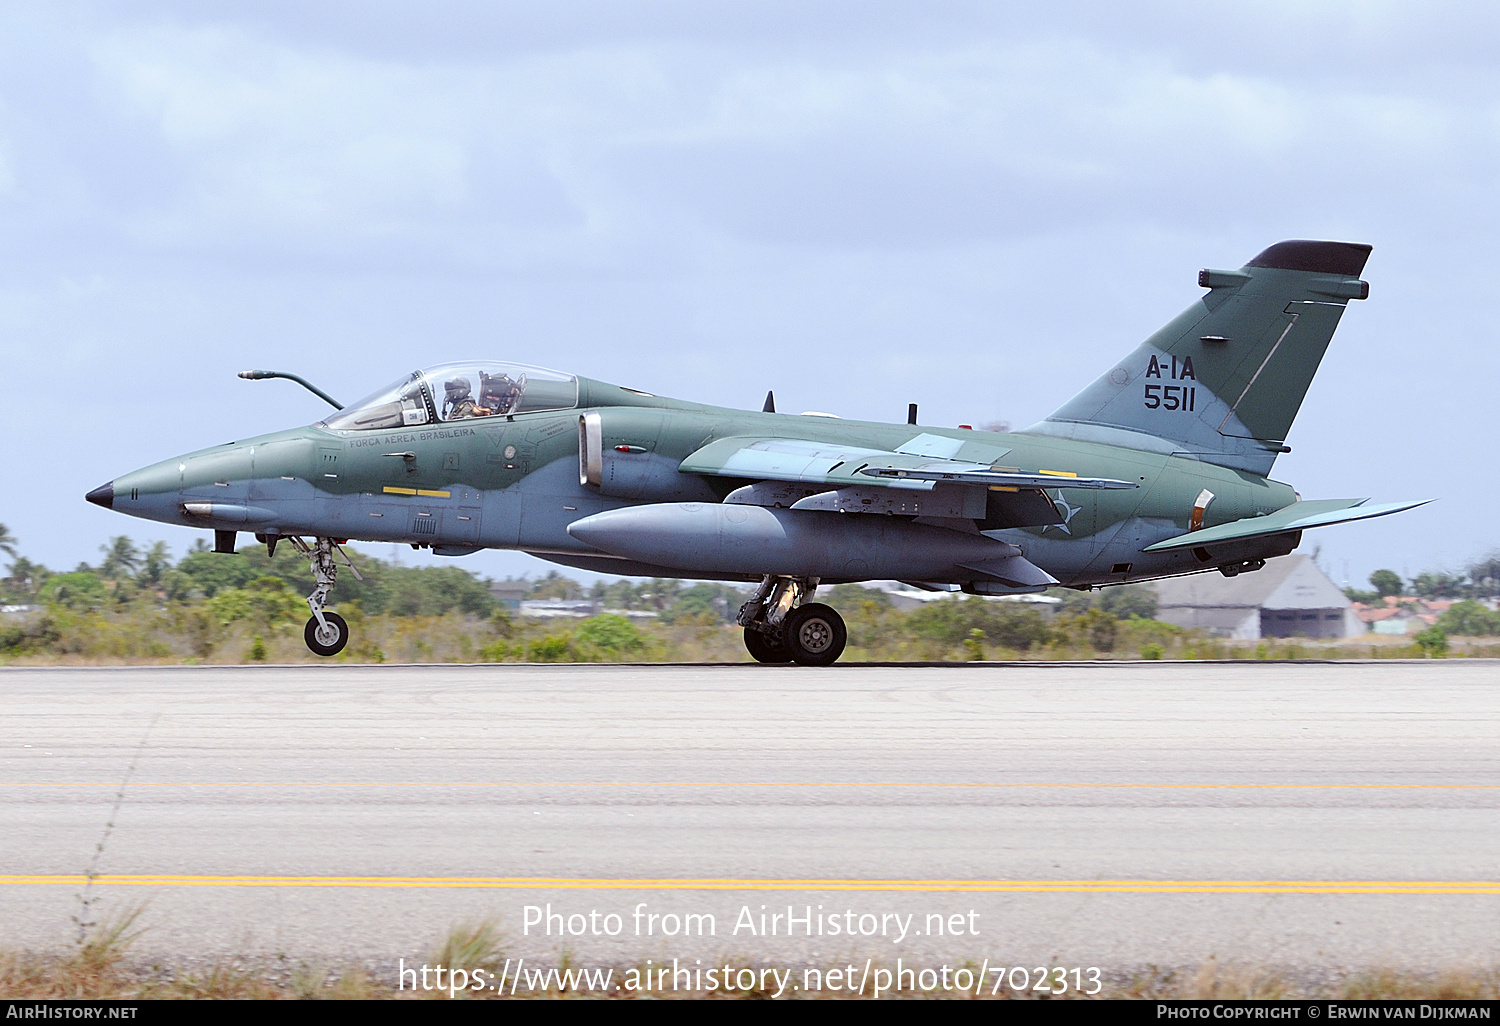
(458, 403)
(498, 393)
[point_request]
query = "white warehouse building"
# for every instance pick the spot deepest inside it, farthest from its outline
(1288, 597)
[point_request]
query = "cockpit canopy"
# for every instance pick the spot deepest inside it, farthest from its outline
(459, 391)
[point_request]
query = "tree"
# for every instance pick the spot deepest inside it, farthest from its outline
(211, 572)
(266, 602)
(155, 564)
(79, 590)
(1485, 575)
(556, 586)
(659, 593)
(1130, 600)
(121, 558)
(1469, 619)
(1071, 601)
(1386, 582)
(26, 577)
(1439, 585)
(7, 542)
(691, 610)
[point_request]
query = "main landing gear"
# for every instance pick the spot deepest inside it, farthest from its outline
(782, 627)
(326, 633)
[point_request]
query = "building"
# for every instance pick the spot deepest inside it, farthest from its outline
(1402, 614)
(1288, 597)
(509, 593)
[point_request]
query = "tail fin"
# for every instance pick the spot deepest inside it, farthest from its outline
(1224, 380)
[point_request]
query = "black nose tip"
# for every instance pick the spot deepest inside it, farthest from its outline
(104, 495)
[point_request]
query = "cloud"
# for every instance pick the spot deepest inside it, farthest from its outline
(611, 153)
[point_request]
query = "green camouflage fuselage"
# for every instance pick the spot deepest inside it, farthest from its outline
(514, 483)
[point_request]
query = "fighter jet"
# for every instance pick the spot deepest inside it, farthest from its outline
(1160, 467)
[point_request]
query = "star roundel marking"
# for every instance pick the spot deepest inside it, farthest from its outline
(1068, 513)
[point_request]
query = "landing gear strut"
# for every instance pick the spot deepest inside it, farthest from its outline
(782, 627)
(326, 633)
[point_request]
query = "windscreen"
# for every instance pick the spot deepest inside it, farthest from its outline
(404, 404)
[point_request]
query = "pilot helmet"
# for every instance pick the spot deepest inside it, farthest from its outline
(457, 389)
(496, 384)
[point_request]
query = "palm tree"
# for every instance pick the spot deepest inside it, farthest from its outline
(157, 561)
(121, 557)
(7, 542)
(25, 575)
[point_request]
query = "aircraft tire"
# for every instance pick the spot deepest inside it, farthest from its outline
(765, 649)
(814, 634)
(324, 646)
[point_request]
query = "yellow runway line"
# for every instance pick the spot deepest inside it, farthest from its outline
(754, 783)
(715, 884)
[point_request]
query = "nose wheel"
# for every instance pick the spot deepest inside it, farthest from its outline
(327, 638)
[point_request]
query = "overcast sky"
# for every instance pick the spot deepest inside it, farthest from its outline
(858, 204)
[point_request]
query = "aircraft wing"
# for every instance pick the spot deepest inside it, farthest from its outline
(809, 462)
(1296, 517)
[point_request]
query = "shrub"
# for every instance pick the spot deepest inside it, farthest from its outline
(950, 621)
(34, 635)
(499, 652)
(1095, 628)
(1433, 642)
(611, 634)
(554, 648)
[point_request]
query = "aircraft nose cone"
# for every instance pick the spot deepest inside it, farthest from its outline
(104, 495)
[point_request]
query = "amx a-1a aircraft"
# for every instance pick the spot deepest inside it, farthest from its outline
(1160, 467)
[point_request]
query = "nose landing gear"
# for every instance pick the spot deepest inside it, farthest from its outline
(326, 633)
(811, 634)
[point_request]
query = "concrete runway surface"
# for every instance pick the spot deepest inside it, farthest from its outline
(1307, 816)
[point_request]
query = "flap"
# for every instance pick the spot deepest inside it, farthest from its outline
(797, 459)
(1296, 517)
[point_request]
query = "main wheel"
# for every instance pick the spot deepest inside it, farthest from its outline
(326, 641)
(814, 634)
(765, 648)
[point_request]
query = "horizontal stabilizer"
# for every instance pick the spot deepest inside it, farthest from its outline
(1296, 517)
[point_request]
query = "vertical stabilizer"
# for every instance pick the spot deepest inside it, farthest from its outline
(1224, 380)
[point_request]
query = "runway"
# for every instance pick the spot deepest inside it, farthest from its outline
(1120, 815)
